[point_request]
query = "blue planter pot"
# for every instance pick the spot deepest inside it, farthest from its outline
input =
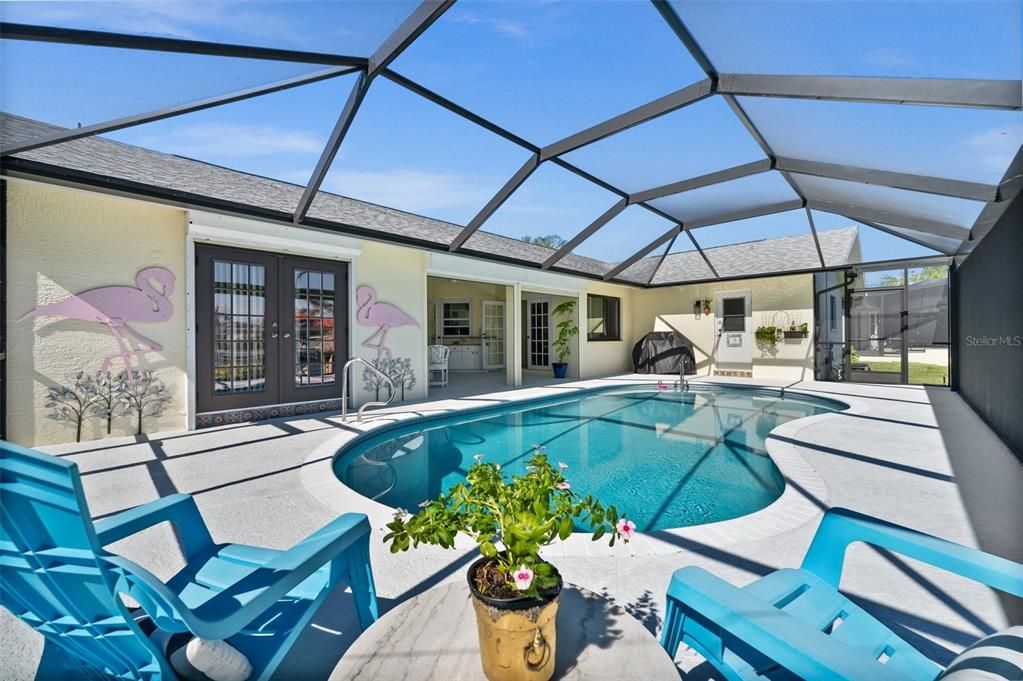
(560, 369)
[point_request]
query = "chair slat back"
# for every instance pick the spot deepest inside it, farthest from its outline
(52, 573)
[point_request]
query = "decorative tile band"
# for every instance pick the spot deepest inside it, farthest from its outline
(220, 418)
(733, 374)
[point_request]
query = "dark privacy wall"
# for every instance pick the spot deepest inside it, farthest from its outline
(989, 308)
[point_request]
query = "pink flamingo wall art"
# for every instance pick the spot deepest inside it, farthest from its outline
(384, 316)
(115, 307)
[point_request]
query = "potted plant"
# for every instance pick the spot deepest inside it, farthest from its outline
(706, 306)
(797, 330)
(767, 335)
(514, 590)
(567, 328)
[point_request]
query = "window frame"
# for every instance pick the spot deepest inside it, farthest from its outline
(443, 327)
(604, 337)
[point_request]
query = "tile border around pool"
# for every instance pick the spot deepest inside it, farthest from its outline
(804, 499)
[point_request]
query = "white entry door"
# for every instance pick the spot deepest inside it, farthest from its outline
(493, 334)
(538, 329)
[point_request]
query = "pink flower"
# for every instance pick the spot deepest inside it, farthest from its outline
(424, 504)
(661, 385)
(563, 485)
(523, 578)
(627, 529)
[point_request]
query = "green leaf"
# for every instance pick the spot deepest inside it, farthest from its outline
(488, 549)
(565, 530)
(598, 533)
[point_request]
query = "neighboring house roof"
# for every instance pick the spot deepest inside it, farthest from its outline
(147, 171)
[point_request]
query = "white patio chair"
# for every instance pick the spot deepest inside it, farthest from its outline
(438, 364)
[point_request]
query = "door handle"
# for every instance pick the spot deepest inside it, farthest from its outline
(287, 334)
(273, 329)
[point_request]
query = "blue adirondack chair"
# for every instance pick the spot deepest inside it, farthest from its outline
(56, 576)
(795, 623)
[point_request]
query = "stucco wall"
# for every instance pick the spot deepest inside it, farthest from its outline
(776, 301)
(399, 277)
(62, 242)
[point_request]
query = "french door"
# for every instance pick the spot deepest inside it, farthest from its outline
(493, 334)
(270, 328)
(538, 344)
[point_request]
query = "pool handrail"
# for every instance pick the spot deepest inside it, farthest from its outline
(344, 389)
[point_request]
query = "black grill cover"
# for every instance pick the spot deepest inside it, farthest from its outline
(663, 352)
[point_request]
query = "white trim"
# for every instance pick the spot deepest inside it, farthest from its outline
(190, 345)
(232, 231)
(472, 269)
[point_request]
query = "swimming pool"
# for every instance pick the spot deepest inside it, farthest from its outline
(666, 459)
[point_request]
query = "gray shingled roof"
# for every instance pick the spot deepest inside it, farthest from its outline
(108, 158)
(796, 252)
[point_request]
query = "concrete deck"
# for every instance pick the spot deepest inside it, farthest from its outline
(914, 455)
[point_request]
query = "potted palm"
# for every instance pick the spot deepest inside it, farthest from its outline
(567, 328)
(514, 590)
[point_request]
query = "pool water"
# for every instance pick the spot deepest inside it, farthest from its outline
(666, 459)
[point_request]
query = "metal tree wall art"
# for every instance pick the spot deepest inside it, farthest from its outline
(372, 381)
(70, 403)
(383, 316)
(115, 307)
(402, 374)
(106, 397)
(142, 394)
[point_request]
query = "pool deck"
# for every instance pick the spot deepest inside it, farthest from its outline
(913, 455)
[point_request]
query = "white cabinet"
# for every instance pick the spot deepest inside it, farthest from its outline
(465, 358)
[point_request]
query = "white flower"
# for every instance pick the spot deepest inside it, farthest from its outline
(523, 578)
(401, 514)
(478, 457)
(562, 465)
(424, 504)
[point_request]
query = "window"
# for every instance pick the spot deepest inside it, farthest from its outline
(733, 314)
(603, 318)
(456, 318)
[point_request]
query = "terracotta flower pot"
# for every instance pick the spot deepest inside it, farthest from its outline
(706, 310)
(517, 635)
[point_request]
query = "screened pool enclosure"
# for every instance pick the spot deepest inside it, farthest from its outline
(643, 135)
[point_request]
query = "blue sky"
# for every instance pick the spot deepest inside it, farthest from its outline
(545, 69)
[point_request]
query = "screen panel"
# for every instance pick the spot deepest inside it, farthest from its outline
(545, 70)
(405, 152)
(961, 144)
(698, 139)
(745, 193)
(979, 39)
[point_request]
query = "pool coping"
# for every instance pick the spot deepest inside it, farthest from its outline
(803, 500)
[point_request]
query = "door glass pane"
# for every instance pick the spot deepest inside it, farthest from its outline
(314, 298)
(875, 336)
(238, 327)
(927, 335)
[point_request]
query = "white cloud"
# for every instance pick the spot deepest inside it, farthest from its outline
(186, 19)
(416, 191)
(232, 140)
(996, 146)
(505, 27)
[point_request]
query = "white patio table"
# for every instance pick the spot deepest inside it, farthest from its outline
(433, 636)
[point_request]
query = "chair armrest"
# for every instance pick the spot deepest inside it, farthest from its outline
(179, 509)
(799, 648)
(841, 527)
(232, 609)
